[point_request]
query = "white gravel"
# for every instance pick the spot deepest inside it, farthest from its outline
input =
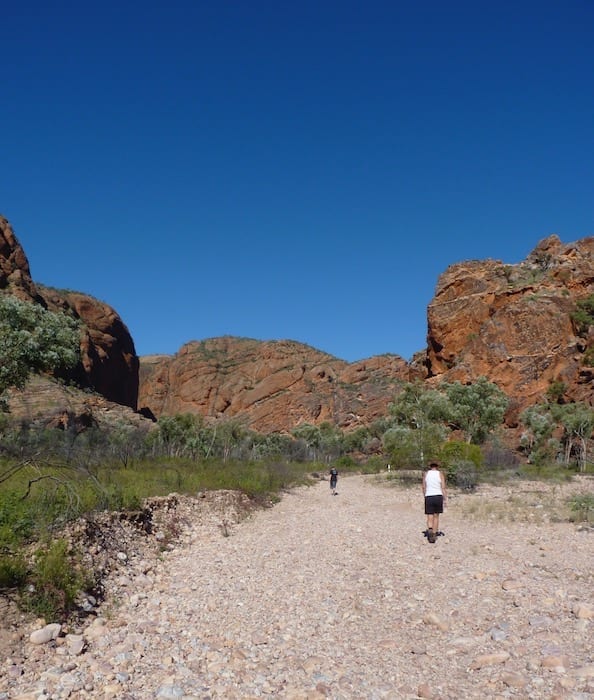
(338, 597)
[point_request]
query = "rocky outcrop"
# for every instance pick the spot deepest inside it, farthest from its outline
(49, 403)
(271, 386)
(109, 364)
(513, 323)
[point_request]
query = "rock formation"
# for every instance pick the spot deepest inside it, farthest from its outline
(272, 386)
(513, 323)
(109, 364)
(510, 323)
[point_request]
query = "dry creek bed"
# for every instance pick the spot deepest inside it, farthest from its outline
(327, 596)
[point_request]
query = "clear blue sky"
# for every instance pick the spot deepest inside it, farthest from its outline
(300, 170)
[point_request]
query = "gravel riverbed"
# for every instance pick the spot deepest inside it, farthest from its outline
(339, 597)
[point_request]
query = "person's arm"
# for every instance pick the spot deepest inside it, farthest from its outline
(424, 484)
(443, 486)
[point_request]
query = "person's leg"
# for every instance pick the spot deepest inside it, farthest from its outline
(429, 513)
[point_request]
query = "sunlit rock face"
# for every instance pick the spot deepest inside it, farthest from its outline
(513, 323)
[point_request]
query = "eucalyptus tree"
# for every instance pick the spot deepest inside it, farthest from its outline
(537, 438)
(477, 408)
(33, 340)
(423, 413)
(577, 420)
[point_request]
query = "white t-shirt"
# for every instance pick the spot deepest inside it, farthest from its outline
(433, 483)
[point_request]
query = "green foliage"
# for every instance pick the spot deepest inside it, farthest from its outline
(477, 408)
(54, 581)
(409, 448)
(346, 463)
(17, 522)
(583, 316)
(33, 339)
(374, 465)
(458, 451)
(546, 472)
(588, 359)
(556, 391)
(419, 414)
(582, 505)
(322, 442)
(13, 570)
(576, 420)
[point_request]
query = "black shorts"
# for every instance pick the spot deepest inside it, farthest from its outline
(433, 505)
(333, 480)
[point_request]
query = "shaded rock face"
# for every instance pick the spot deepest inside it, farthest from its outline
(109, 363)
(272, 385)
(15, 276)
(513, 324)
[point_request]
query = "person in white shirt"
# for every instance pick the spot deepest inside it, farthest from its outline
(434, 491)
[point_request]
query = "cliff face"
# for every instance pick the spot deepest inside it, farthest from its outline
(272, 386)
(109, 363)
(513, 324)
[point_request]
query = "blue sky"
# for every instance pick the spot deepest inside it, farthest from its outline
(291, 170)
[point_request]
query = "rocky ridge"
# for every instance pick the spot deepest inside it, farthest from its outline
(272, 385)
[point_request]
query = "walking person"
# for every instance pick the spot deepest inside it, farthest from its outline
(333, 480)
(434, 491)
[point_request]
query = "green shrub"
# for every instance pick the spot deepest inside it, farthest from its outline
(458, 450)
(17, 521)
(583, 507)
(13, 570)
(546, 471)
(374, 465)
(583, 316)
(54, 582)
(462, 473)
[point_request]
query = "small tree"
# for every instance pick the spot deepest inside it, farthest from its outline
(423, 411)
(577, 420)
(33, 339)
(583, 316)
(477, 408)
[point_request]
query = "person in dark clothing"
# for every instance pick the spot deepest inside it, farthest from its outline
(333, 480)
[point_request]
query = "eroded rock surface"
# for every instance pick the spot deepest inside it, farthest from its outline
(512, 323)
(273, 385)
